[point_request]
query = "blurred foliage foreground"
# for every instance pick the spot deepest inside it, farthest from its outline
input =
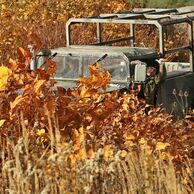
(84, 140)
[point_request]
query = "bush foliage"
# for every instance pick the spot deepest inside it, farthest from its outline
(163, 3)
(45, 136)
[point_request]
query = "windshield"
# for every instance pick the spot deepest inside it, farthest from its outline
(73, 66)
(116, 66)
(67, 66)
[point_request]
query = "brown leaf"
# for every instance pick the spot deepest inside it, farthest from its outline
(61, 91)
(23, 53)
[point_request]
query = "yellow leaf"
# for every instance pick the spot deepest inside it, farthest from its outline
(40, 132)
(4, 74)
(2, 121)
(72, 160)
(147, 149)
(16, 102)
(4, 71)
(78, 136)
(82, 154)
(164, 156)
(123, 153)
(125, 106)
(3, 7)
(108, 152)
(38, 84)
(84, 92)
(129, 144)
(161, 146)
(142, 141)
(130, 137)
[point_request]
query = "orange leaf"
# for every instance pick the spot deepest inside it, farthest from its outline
(84, 80)
(23, 53)
(93, 69)
(90, 153)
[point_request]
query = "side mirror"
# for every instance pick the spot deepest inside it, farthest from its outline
(140, 72)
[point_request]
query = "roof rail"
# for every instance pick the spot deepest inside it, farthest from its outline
(146, 16)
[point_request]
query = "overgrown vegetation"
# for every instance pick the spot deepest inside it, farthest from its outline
(46, 18)
(163, 3)
(81, 140)
(86, 140)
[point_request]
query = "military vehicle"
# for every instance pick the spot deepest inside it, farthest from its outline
(127, 64)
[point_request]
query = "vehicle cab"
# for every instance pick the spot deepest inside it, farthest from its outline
(127, 64)
(120, 62)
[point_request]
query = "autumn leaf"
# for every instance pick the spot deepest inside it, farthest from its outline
(84, 92)
(142, 141)
(16, 102)
(23, 53)
(165, 156)
(61, 91)
(2, 121)
(93, 69)
(4, 74)
(78, 136)
(108, 152)
(38, 85)
(84, 80)
(13, 64)
(51, 67)
(90, 153)
(161, 146)
(130, 137)
(40, 132)
(123, 153)
(81, 154)
(72, 160)
(129, 140)
(35, 40)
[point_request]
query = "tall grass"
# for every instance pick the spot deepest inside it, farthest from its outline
(29, 166)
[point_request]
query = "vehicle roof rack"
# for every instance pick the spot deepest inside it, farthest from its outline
(146, 16)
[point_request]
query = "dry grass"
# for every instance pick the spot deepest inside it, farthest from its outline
(28, 166)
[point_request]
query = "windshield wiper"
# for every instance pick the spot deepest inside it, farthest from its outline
(100, 59)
